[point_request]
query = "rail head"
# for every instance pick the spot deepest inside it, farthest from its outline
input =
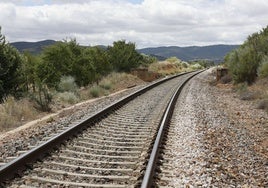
(147, 181)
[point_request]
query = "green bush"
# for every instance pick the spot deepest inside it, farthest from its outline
(173, 60)
(195, 66)
(67, 84)
(263, 69)
(95, 91)
(249, 60)
(107, 85)
(185, 64)
(243, 65)
(69, 97)
(123, 56)
(10, 70)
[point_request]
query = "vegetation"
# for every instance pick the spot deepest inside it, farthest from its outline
(123, 56)
(174, 65)
(263, 68)
(250, 60)
(67, 83)
(249, 64)
(64, 67)
(16, 112)
(65, 73)
(10, 67)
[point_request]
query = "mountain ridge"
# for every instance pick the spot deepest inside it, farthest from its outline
(189, 53)
(32, 47)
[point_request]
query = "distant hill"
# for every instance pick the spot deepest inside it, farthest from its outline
(32, 47)
(213, 52)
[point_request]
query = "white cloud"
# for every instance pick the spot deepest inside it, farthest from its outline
(149, 23)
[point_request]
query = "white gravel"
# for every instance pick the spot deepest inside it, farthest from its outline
(211, 142)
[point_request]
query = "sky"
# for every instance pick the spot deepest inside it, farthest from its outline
(147, 23)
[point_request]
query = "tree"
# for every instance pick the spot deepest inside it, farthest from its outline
(91, 65)
(83, 69)
(58, 61)
(123, 56)
(100, 61)
(10, 67)
(245, 61)
(30, 69)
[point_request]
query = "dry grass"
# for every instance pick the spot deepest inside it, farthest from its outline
(172, 66)
(98, 91)
(14, 113)
(111, 83)
(67, 97)
(261, 87)
(263, 104)
(119, 81)
(166, 67)
(257, 93)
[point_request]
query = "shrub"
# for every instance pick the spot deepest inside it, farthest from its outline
(195, 66)
(245, 93)
(167, 67)
(123, 56)
(226, 79)
(10, 70)
(67, 84)
(95, 91)
(42, 98)
(249, 60)
(106, 84)
(185, 64)
(263, 69)
(68, 97)
(263, 104)
(173, 60)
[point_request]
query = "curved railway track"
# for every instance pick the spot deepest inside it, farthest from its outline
(109, 149)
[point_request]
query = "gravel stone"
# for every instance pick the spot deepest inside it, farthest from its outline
(215, 139)
(22, 139)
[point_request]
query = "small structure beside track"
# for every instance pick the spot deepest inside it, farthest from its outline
(221, 72)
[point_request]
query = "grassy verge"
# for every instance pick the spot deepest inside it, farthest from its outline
(172, 66)
(14, 113)
(256, 92)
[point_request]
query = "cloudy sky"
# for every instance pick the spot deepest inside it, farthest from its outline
(148, 23)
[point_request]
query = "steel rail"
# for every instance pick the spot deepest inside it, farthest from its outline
(17, 166)
(147, 181)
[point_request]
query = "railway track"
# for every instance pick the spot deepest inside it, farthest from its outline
(109, 149)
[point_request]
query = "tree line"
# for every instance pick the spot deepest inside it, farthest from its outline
(21, 73)
(250, 60)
